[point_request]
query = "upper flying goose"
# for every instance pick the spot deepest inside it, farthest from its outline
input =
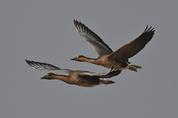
(78, 77)
(107, 58)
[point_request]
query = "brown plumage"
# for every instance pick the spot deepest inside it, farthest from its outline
(107, 58)
(78, 77)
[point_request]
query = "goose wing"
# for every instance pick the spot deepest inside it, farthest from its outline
(135, 46)
(46, 67)
(102, 75)
(93, 39)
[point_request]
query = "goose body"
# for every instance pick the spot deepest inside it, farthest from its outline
(76, 77)
(118, 59)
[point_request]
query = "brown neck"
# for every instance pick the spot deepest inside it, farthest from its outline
(89, 60)
(59, 77)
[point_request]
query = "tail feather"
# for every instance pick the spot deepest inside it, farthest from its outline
(134, 67)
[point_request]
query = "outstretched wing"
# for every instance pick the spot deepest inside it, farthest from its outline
(135, 46)
(93, 39)
(102, 75)
(46, 67)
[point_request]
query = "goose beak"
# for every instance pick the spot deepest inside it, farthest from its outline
(74, 59)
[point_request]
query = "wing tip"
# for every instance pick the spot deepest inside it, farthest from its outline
(149, 29)
(28, 62)
(75, 22)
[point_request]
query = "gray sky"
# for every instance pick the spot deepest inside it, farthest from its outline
(43, 30)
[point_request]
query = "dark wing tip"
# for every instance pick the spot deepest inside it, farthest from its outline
(149, 29)
(80, 27)
(115, 72)
(26, 60)
(112, 73)
(29, 62)
(77, 23)
(33, 64)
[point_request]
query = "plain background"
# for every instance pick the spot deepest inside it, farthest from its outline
(43, 30)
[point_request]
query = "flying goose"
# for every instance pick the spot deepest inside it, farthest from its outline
(118, 59)
(76, 77)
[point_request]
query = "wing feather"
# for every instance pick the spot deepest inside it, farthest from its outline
(46, 67)
(128, 50)
(93, 39)
(102, 75)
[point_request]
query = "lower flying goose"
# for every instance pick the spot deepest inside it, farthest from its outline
(78, 77)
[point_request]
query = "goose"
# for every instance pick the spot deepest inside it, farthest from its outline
(118, 59)
(75, 77)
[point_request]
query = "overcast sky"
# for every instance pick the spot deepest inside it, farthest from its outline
(43, 30)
